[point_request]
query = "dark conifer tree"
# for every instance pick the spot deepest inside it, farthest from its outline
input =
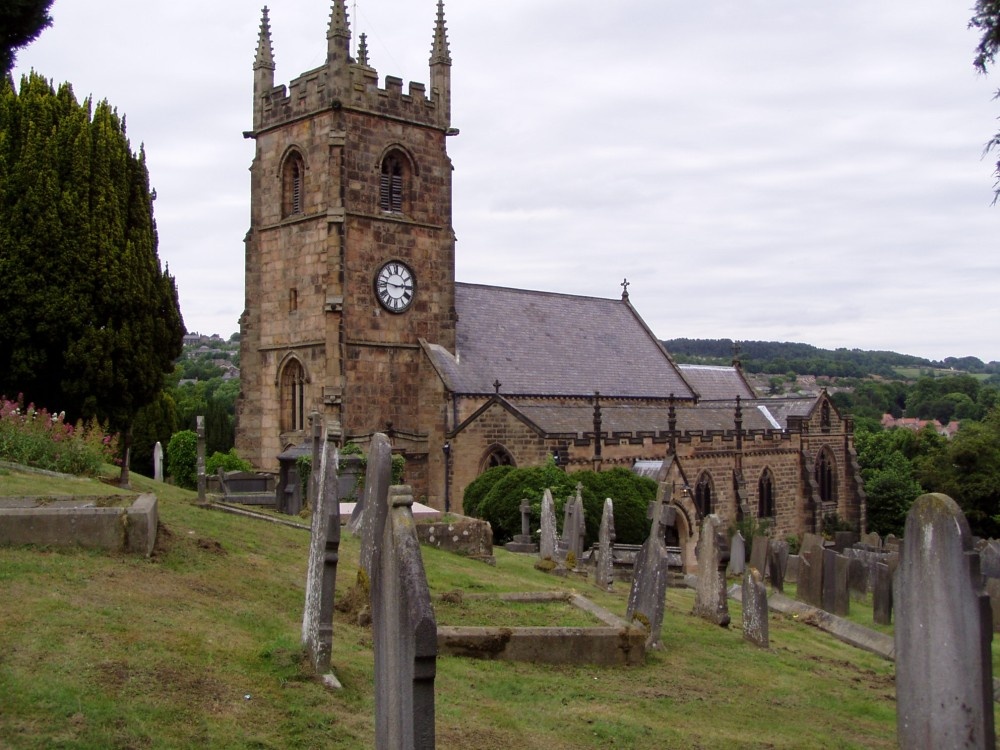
(89, 323)
(21, 21)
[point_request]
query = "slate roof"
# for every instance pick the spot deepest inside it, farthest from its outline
(542, 343)
(715, 383)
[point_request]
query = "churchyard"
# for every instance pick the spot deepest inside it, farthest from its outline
(199, 645)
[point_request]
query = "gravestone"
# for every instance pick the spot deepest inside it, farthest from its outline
(758, 553)
(872, 539)
(989, 558)
(368, 518)
(647, 596)
(792, 569)
(321, 575)
(523, 542)
(547, 537)
(891, 543)
(737, 555)
(755, 609)
(882, 595)
(317, 426)
(573, 528)
(711, 602)
(605, 574)
(810, 587)
(404, 631)
(944, 675)
(857, 578)
(158, 462)
(202, 479)
(844, 539)
(836, 599)
(810, 541)
(777, 563)
(993, 591)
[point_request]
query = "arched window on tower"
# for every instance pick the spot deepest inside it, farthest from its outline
(293, 175)
(825, 477)
(292, 395)
(703, 491)
(392, 181)
(765, 495)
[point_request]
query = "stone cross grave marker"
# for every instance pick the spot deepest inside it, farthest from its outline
(944, 674)
(404, 630)
(711, 602)
(755, 609)
(321, 575)
(737, 555)
(523, 542)
(647, 596)
(605, 574)
(158, 462)
(547, 535)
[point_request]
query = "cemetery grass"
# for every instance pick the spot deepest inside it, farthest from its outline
(198, 646)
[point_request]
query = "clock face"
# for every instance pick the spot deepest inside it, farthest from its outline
(395, 286)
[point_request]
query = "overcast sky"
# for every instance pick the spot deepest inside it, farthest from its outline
(758, 169)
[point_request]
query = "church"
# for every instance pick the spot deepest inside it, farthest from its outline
(353, 312)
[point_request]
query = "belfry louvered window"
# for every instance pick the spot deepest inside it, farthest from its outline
(391, 185)
(293, 186)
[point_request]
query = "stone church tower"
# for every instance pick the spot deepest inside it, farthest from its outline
(350, 256)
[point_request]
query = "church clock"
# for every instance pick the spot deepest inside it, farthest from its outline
(395, 286)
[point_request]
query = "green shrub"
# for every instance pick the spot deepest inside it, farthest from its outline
(182, 458)
(473, 496)
(501, 502)
(229, 461)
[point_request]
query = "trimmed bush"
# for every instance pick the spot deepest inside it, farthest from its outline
(182, 458)
(472, 499)
(229, 461)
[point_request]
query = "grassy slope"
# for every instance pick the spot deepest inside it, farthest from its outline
(199, 647)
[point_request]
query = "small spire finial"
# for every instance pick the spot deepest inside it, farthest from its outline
(363, 49)
(625, 286)
(440, 53)
(265, 54)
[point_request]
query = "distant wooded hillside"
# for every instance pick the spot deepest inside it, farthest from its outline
(804, 359)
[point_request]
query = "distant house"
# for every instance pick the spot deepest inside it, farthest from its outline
(915, 425)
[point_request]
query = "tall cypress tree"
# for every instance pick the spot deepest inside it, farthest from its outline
(89, 322)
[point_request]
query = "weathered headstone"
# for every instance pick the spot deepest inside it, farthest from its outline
(891, 543)
(989, 558)
(403, 628)
(318, 427)
(574, 529)
(993, 591)
(810, 542)
(202, 479)
(605, 573)
(810, 587)
(158, 462)
(737, 555)
(758, 554)
(321, 575)
(844, 539)
(836, 599)
(547, 535)
(944, 675)
(647, 596)
(368, 518)
(754, 592)
(872, 539)
(777, 563)
(792, 569)
(882, 595)
(857, 577)
(711, 602)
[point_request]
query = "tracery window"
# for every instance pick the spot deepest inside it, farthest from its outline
(497, 455)
(825, 477)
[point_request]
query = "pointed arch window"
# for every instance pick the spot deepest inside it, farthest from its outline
(496, 455)
(765, 495)
(292, 396)
(703, 494)
(824, 416)
(293, 185)
(392, 182)
(825, 477)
